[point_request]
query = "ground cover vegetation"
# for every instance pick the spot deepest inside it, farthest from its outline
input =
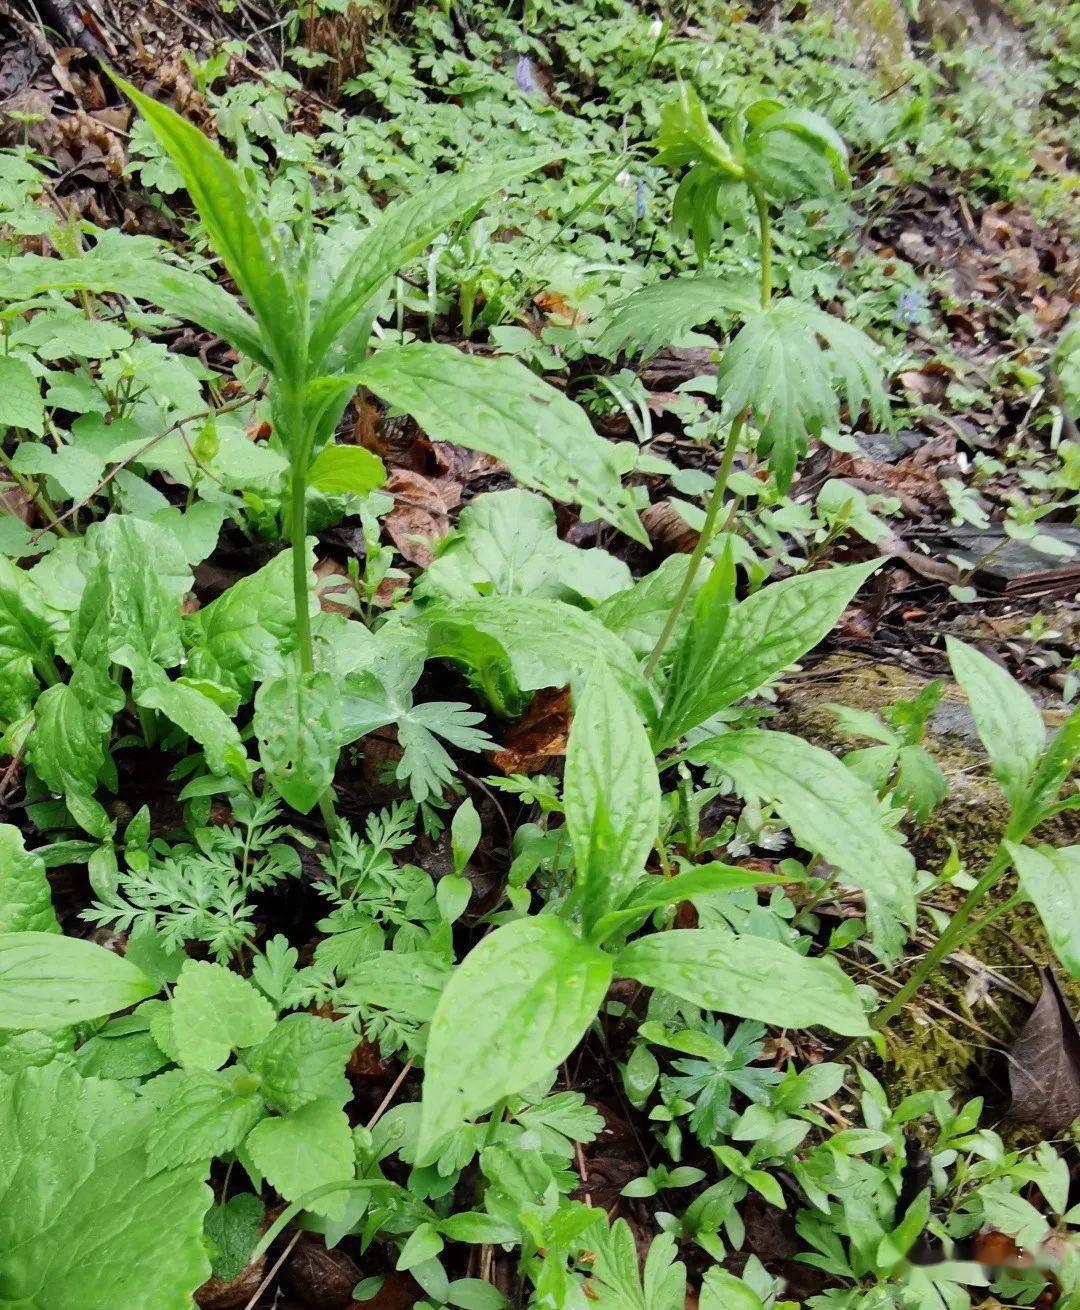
(440, 449)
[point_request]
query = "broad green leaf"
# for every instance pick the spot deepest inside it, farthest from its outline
(346, 470)
(402, 231)
(76, 471)
(204, 1117)
(659, 314)
(242, 638)
(778, 370)
(237, 226)
(686, 136)
(303, 1058)
(215, 1012)
(794, 152)
(717, 663)
(1050, 773)
(25, 895)
(497, 406)
(298, 724)
(611, 796)
(831, 812)
(21, 402)
(1051, 879)
(232, 1229)
(512, 645)
(84, 1225)
(721, 1290)
(514, 1009)
(505, 544)
(751, 977)
(1010, 726)
(176, 290)
(49, 981)
(637, 613)
(26, 643)
(309, 1148)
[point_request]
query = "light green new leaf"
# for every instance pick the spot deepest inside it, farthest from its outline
(616, 1283)
(637, 613)
(1051, 878)
(611, 796)
(499, 407)
(1050, 773)
(302, 1059)
(83, 1223)
(778, 369)
(704, 880)
(751, 977)
(216, 1012)
(402, 231)
(21, 403)
(203, 1118)
(26, 643)
(465, 834)
(1010, 726)
(659, 314)
(49, 981)
(298, 724)
(309, 1148)
(718, 663)
(721, 1290)
(830, 811)
(514, 1009)
(346, 470)
(25, 895)
(238, 227)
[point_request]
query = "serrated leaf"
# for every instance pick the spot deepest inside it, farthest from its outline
(49, 981)
(659, 314)
(83, 1224)
(21, 402)
(215, 1012)
(25, 895)
(498, 407)
(751, 977)
(202, 1119)
(346, 470)
(232, 1229)
(514, 1009)
(309, 1148)
(831, 812)
(298, 724)
(303, 1058)
(611, 796)
(616, 1283)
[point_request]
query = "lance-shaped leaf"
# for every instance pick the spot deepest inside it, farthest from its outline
(611, 796)
(237, 226)
(723, 657)
(513, 1010)
(50, 981)
(657, 315)
(298, 724)
(402, 231)
(1051, 878)
(830, 811)
(751, 977)
(499, 407)
(26, 642)
(785, 365)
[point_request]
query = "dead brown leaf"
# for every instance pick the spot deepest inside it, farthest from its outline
(539, 736)
(420, 515)
(333, 588)
(667, 528)
(1044, 1063)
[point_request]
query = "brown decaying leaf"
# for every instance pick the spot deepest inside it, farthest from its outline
(421, 514)
(667, 528)
(1044, 1063)
(539, 736)
(319, 1277)
(333, 588)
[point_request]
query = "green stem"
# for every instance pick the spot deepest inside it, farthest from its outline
(765, 243)
(708, 529)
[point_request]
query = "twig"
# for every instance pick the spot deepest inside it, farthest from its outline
(273, 1271)
(385, 1102)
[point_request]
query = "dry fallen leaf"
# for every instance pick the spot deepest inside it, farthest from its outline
(539, 736)
(1044, 1063)
(420, 515)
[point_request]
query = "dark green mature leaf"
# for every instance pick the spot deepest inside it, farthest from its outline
(499, 407)
(658, 314)
(611, 796)
(752, 977)
(1051, 772)
(25, 895)
(717, 663)
(26, 642)
(49, 981)
(201, 718)
(176, 290)
(794, 152)
(84, 1225)
(831, 812)
(238, 228)
(402, 231)
(232, 1229)
(704, 880)
(298, 724)
(514, 1009)
(1010, 726)
(637, 613)
(1051, 878)
(777, 368)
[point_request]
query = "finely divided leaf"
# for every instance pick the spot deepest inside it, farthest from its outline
(513, 1010)
(752, 977)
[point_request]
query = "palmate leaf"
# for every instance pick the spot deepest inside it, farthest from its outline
(657, 315)
(499, 407)
(786, 365)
